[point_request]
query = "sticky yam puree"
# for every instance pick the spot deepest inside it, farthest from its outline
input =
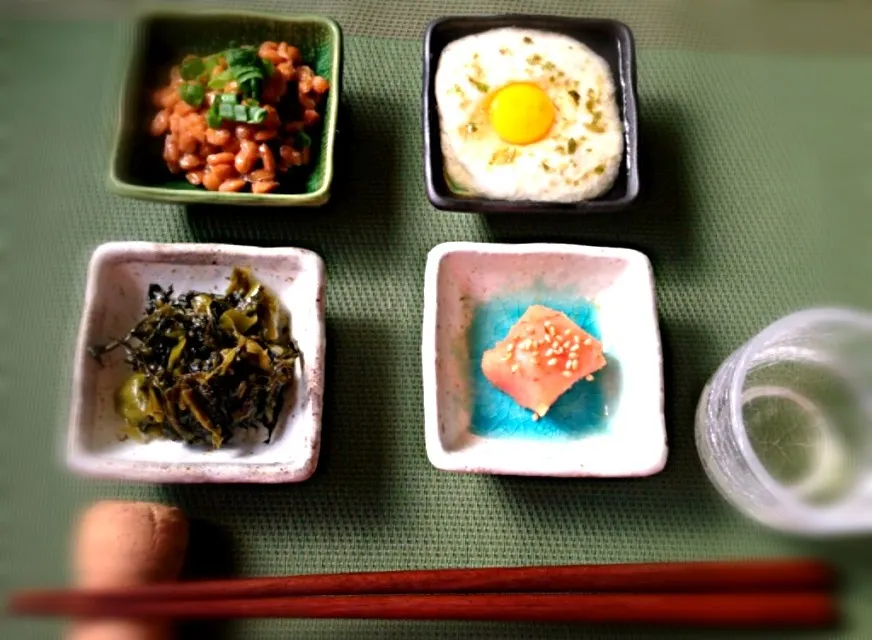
(528, 115)
(542, 357)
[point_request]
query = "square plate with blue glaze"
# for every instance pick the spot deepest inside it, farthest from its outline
(612, 426)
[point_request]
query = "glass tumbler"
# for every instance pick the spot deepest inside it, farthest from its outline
(784, 426)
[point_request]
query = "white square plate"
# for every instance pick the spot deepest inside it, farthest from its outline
(118, 280)
(463, 277)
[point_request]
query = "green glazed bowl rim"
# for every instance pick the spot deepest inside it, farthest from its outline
(165, 194)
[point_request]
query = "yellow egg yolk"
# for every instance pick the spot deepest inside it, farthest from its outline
(521, 113)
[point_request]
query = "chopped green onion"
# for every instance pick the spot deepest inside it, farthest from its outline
(221, 79)
(241, 56)
(256, 115)
(248, 78)
(245, 69)
(192, 68)
(248, 74)
(225, 111)
(213, 118)
(250, 87)
(192, 93)
(304, 139)
(227, 98)
(210, 62)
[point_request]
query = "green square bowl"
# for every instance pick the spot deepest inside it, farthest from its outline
(162, 39)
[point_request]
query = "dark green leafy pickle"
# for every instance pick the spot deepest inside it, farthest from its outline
(205, 364)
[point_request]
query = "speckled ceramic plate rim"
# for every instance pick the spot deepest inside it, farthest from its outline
(436, 453)
(161, 194)
(97, 466)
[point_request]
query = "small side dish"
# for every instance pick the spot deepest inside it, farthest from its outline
(527, 115)
(120, 276)
(542, 357)
(486, 365)
(206, 365)
(238, 118)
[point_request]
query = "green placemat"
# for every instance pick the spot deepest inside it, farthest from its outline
(752, 173)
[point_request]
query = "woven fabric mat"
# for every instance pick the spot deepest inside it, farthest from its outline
(754, 156)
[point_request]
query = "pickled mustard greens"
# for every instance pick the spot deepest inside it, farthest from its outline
(205, 364)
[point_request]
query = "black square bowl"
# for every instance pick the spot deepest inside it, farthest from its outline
(610, 39)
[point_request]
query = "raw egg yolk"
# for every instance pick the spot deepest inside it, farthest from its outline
(521, 113)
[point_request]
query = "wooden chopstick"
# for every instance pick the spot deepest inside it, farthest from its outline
(687, 577)
(721, 610)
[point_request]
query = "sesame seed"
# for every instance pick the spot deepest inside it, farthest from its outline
(569, 364)
(574, 364)
(589, 378)
(567, 374)
(558, 351)
(567, 344)
(552, 362)
(507, 357)
(552, 330)
(573, 355)
(574, 347)
(586, 341)
(510, 346)
(547, 339)
(515, 368)
(547, 323)
(567, 332)
(575, 339)
(549, 352)
(535, 417)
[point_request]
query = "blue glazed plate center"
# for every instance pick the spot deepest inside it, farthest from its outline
(581, 411)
